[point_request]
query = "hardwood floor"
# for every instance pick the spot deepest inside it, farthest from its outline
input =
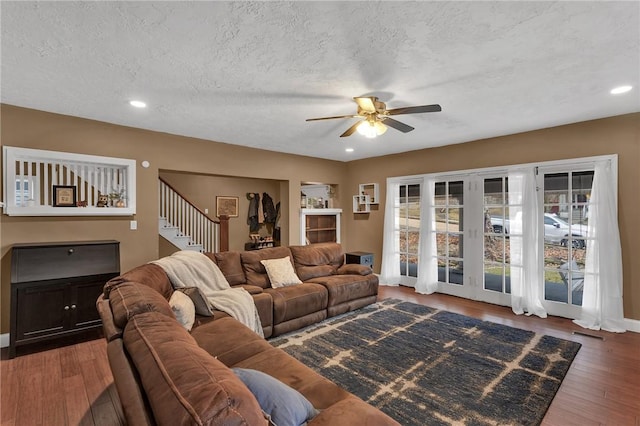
(73, 385)
(70, 385)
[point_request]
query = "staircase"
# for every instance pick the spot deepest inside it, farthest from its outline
(186, 226)
(175, 236)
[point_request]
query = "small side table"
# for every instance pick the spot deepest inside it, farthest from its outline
(360, 257)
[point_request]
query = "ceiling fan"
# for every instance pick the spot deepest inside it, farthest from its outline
(375, 117)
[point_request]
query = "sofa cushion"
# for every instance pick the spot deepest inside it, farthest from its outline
(183, 383)
(254, 270)
(352, 411)
(297, 301)
(320, 391)
(229, 341)
(344, 288)
(183, 308)
(231, 266)
(129, 299)
(317, 260)
(280, 272)
(285, 405)
(148, 274)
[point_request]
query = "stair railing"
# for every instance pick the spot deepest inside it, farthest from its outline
(191, 221)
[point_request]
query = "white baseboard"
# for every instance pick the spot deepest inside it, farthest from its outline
(4, 340)
(632, 325)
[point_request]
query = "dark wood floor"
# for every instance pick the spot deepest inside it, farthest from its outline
(73, 385)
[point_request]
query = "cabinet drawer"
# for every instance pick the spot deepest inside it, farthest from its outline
(62, 261)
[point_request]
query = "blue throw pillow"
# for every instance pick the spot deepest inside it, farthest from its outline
(285, 405)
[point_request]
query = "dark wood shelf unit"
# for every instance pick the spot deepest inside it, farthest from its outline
(54, 288)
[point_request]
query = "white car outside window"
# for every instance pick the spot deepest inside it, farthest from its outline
(556, 230)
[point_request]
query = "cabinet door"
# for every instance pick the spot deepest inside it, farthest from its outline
(41, 311)
(83, 303)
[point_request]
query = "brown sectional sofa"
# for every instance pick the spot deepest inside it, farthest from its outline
(167, 375)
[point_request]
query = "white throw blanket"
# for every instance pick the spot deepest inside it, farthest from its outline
(193, 269)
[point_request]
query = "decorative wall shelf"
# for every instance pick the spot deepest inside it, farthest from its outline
(368, 194)
(32, 175)
(361, 204)
(372, 190)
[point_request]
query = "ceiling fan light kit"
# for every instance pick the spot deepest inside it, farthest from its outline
(371, 129)
(374, 117)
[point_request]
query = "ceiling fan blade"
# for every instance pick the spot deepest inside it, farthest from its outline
(404, 128)
(366, 104)
(350, 130)
(414, 109)
(331, 118)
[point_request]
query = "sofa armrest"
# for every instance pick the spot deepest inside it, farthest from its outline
(109, 329)
(354, 269)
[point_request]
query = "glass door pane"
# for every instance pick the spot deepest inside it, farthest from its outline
(449, 203)
(566, 216)
(409, 221)
(496, 235)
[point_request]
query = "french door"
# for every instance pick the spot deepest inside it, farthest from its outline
(472, 233)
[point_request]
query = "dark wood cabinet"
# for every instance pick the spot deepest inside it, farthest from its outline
(54, 287)
(359, 257)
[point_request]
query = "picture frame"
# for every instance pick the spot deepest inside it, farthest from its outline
(64, 196)
(226, 206)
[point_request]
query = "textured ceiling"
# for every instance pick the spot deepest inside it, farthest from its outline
(250, 73)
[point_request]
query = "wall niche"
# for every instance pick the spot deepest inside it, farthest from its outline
(201, 190)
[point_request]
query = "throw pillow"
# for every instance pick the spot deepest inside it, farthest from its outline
(202, 305)
(285, 405)
(183, 309)
(280, 272)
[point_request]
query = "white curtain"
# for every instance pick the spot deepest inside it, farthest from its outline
(527, 277)
(390, 266)
(427, 281)
(602, 295)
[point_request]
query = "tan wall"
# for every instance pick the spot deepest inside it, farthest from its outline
(617, 135)
(40, 130)
(35, 129)
(202, 190)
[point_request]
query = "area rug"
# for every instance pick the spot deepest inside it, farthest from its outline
(424, 366)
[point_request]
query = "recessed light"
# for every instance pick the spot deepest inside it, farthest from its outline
(349, 149)
(138, 104)
(620, 90)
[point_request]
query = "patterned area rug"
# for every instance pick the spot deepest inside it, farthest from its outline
(424, 366)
